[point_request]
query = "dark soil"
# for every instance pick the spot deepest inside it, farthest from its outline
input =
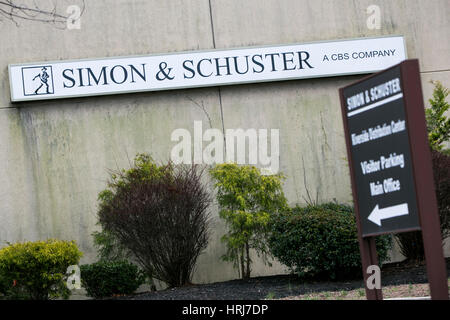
(285, 285)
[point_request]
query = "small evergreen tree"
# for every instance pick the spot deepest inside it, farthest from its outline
(247, 200)
(438, 125)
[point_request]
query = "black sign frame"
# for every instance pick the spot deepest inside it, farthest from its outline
(422, 178)
(381, 154)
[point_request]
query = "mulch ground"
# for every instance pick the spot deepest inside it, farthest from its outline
(285, 286)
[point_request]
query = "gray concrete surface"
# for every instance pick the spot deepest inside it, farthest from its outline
(54, 155)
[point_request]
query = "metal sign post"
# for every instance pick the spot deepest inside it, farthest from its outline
(390, 166)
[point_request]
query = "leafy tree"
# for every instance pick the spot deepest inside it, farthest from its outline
(247, 199)
(438, 125)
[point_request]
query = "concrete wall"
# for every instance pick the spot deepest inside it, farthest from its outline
(54, 155)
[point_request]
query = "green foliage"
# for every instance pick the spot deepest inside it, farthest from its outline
(5, 285)
(321, 241)
(144, 169)
(109, 247)
(247, 201)
(438, 125)
(105, 279)
(37, 270)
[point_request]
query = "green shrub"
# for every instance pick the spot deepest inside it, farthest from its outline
(37, 270)
(320, 241)
(104, 279)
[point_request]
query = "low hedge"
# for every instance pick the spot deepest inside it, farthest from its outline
(104, 279)
(320, 241)
(37, 270)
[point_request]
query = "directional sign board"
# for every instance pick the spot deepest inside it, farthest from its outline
(391, 167)
(377, 134)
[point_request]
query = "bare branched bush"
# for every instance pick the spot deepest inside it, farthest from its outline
(160, 213)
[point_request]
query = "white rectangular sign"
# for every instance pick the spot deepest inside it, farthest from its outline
(64, 79)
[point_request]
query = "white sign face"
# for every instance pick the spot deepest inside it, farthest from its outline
(64, 79)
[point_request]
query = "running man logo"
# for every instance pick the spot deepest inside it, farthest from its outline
(37, 80)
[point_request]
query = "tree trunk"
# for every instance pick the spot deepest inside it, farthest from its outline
(247, 252)
(242, 263)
